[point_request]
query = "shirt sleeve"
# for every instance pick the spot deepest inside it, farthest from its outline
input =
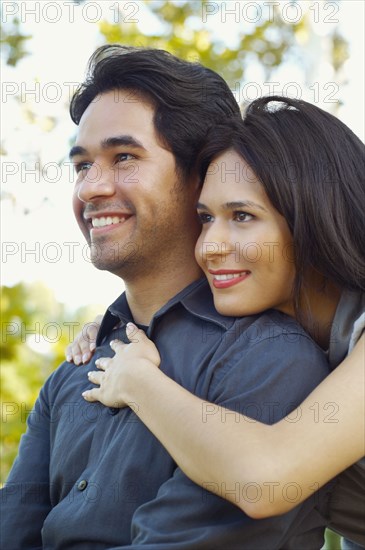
(347, 503)
(358, 329)
(25, 498)
(269, 379)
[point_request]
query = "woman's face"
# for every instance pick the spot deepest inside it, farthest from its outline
(245, 247)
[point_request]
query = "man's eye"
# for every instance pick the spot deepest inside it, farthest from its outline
(204, 217)
(83, 167)
(242, 216)
(124, 156)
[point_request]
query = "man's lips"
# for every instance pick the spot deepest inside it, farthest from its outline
(224, 278)
(105, 220)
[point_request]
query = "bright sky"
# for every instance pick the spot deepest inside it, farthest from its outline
(46, 244)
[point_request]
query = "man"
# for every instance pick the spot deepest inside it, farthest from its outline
(90, 477)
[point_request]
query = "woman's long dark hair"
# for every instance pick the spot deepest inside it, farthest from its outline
(312, 167)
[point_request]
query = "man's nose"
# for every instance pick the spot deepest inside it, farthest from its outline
(98, 182)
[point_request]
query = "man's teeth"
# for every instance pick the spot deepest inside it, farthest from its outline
(228, 276)
(102, 222)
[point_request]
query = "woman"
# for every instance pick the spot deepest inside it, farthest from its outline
(282, 210)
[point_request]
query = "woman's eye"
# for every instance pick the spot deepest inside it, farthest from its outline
(204, 217)
(242, 216)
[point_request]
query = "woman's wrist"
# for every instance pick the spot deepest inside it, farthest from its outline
(141, 380)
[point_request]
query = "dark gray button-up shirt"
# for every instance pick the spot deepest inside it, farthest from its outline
(87, 478)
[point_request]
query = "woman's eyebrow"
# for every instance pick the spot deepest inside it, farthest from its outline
(234, 204)
(243, 204)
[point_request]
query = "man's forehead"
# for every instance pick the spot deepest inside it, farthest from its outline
(109, 119)
(114, 102)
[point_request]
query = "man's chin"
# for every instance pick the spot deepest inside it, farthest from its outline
(105, 265)
(120, 268)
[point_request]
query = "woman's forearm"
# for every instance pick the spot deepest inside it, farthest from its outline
(281, 464)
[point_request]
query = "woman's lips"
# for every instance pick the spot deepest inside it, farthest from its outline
(225, 278)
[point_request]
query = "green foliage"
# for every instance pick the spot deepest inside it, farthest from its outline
(332, 541)
(186, 36)
(12, 42)
(340, 51)
(35, 334)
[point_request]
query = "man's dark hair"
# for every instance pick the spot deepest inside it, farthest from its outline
(311, 166)
(188, 98)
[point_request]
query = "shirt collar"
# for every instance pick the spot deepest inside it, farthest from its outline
(195, 298)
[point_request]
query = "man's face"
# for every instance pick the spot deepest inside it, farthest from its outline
(127, 197)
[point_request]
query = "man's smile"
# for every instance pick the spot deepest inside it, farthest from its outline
(102, 222)
(105, 220)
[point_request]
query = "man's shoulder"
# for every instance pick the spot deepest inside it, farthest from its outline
(270, 324)
(198, 299)
(64, 382)
(274, 333)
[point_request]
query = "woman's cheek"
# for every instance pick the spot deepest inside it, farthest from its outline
(199, 250)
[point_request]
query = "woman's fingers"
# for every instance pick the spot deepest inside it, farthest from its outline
(134, 333)
(103, 363)
(68, 353)
(117, 344)
(90, 331)
(91, 395)
(95, 377)
(146, 348)
(75, 351)
(82, 348)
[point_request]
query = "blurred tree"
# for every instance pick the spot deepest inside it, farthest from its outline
(12, 42)
(186, 35)
(35, 330)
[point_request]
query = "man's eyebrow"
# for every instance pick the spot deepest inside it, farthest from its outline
(234, 204)
(109, 143)
(77, 150)
(121, 140)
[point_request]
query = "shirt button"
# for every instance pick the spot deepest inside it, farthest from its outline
(82, 485)
(113, 410)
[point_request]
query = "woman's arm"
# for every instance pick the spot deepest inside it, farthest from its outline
(306, 449)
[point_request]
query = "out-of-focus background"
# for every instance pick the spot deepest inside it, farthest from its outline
(308, 49)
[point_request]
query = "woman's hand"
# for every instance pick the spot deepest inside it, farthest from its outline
(82, 348)
(118, 374)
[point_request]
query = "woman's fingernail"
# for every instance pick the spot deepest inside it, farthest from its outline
(92, 346)
(85, 358)
(69, 358)
(77, 359)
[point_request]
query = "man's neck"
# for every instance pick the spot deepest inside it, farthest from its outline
(145, 297)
